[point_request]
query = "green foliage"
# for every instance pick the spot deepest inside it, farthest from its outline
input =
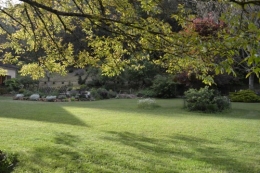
(244, 96)
(102, 93)
(13, 84)
(7, 162)
(164, 87)
(3, 72)
(21, 90)
(27, 93)
(146, 93)
(26, 81)
(95, 94)
(112, 94)
(205, 100)
(147, 103)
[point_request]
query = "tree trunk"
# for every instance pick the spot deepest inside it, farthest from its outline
(48, 79)
(251, 81)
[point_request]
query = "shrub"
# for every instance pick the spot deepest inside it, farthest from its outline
(222, 102)
(27, 93)
(26, 81)
(147, 103)
(7, 161)
(95, 94)
(146, 93)
(244, 96)
(112, 94)
(3, 91)
(103, 93)
(13, 84)
(205, 100)
(164, 87)
(21, 90)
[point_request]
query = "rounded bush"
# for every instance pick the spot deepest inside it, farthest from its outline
(205, 100)
(244, 96)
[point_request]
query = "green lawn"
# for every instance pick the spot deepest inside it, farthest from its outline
(116, 136)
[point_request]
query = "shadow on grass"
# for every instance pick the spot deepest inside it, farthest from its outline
(64, 156)
(184, 148)
(38, 111)
(178, 153)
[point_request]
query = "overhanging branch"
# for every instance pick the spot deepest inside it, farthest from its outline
(85, 15)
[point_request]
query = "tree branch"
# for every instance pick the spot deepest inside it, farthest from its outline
(46, 28)
(85, 15)
(9, 15)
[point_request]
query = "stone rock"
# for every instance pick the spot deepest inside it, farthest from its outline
(126, 96)
(18, 97)
(34, 97)
(62, 96)
(51, 98)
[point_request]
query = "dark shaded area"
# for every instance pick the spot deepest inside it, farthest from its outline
(38, 111)
(64, 155)
(7, 162)
(202, 150)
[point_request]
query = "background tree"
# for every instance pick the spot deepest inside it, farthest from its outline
(135, 32)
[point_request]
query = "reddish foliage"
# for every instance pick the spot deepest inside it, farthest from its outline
(207, 26)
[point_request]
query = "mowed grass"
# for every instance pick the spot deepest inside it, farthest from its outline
(115, 136)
